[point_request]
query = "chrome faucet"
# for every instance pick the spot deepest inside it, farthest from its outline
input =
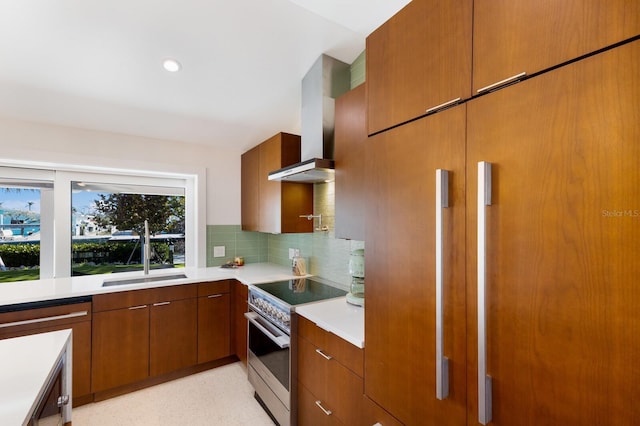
(147, 247)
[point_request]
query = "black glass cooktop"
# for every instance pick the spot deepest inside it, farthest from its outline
(302, 290)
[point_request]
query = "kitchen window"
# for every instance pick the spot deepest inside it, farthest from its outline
(62, 201)
(26, 224)
(108, 223)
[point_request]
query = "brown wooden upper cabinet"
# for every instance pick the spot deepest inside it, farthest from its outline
(514, 37)
(417, 60)
(350, 140)
(274, 207)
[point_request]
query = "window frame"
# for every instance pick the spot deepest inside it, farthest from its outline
(55, 215)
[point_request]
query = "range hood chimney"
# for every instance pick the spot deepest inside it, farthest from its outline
(327, 79)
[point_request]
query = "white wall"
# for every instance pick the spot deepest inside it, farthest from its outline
(20, 140)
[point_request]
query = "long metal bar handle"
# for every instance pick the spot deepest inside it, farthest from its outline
(442, 362)
(45, 319)
(147, 248)
(283, 341)
(484, 381)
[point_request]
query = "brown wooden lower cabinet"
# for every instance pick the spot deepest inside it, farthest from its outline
(127, 340)
(373, 414)
(330, 383)
(77, 317)
(173, 337)
(309, 413)
(214, 321)
(240, 296)
(120, 347)
(143, 333)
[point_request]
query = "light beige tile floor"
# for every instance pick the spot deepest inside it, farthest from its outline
(221, 396)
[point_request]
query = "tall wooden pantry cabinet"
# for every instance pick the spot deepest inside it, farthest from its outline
(400, 316)
(544, 272)
(562, 244)
(503, 233)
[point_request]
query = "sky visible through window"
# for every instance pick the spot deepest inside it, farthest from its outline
(19, 200)
(84, 202)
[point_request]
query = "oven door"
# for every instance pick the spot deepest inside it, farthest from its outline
(269, 365)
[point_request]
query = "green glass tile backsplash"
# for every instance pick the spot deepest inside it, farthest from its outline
(328, 257)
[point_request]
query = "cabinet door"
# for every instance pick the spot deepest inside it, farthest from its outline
(282, 203)
(562, 246)
(240, 297)
(214, 324)
(400, 313)
(269, 206)
(350, 140)
(510, 37)
(271, 192)
(173, 339)
(418, 59)
(120, 347)
(250, 193)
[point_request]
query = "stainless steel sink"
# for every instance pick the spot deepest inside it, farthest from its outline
(140, 280)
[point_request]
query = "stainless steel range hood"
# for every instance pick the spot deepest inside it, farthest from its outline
(327, 79)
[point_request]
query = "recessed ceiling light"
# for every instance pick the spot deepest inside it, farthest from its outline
(171, 65)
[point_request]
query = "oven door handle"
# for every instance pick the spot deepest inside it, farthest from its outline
(282, 340)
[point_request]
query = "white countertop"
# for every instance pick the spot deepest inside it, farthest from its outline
(338, 317)
(89, 285)
(335, 315)
(27, 365)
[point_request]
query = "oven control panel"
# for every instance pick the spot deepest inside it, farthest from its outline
(272, 309)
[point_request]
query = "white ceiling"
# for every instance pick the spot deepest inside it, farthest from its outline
(97, 64)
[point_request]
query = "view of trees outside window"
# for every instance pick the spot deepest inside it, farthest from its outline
(108, 227)
(19, 233)
(103, 218)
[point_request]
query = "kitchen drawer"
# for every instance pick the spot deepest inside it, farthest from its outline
(309, 413)
(175, 292)
(373, 414)
(214, 287)
(53, 316)
(344, 352)
(336, 387)
(122, 299)
(125, 299)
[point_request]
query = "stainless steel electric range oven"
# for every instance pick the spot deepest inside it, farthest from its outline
(270, 308)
